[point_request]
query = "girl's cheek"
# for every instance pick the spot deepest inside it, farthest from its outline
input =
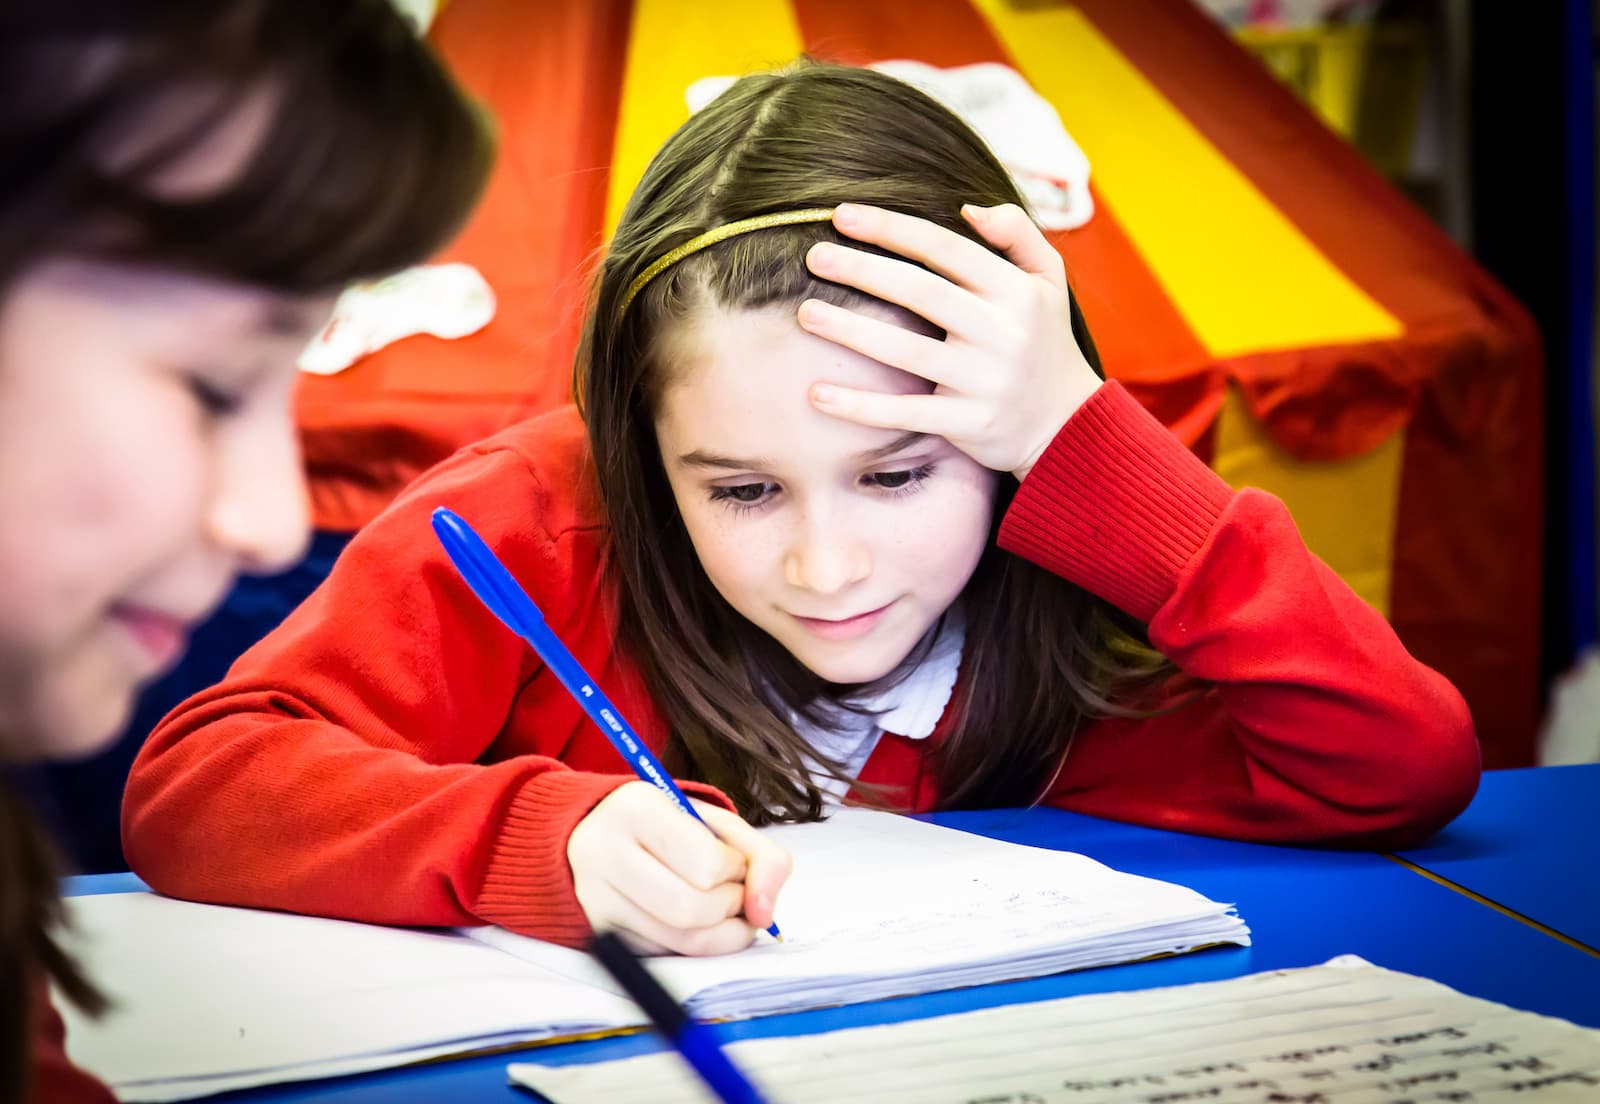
(160, 486)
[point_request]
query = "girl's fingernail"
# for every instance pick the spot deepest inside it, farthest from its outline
(974, 213)
(822, 255)
(810, 311)
(824, 394)
(846, 214)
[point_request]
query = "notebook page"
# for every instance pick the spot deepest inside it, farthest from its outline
(1343, 1033)
(208, 997)
(881, 904)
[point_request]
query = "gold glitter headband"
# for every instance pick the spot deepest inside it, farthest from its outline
(716, 234)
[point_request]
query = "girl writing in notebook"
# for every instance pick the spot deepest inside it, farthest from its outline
(849, 505)
(183, 188)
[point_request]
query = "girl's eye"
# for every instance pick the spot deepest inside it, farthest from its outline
(746, 492)
(902, 481)
(743, 495)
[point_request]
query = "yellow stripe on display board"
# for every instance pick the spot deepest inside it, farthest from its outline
(670, 46)
(1242, 276)
(1345, 509)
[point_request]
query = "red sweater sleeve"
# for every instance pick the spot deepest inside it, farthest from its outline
(55, 1080)
(341, 767)
(1318, 725)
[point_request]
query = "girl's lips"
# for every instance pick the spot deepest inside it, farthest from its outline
(847, 628)
(160, 635)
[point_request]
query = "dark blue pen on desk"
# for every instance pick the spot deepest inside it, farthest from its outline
(694, 1040)
(498, 590)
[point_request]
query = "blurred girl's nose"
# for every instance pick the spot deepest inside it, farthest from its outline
(259, 512)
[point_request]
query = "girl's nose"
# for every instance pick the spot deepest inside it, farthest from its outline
(825, 561)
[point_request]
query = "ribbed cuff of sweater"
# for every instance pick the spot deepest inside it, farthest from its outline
(527, 887)
(1116, 504)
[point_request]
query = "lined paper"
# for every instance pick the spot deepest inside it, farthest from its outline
(1342, 1033)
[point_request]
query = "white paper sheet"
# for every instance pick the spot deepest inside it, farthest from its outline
(209, 998)
(1343, 1033)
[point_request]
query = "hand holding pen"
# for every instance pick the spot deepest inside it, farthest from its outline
(641, 866)
(691, 884)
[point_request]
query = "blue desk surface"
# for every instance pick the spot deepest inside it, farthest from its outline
(1303, 907)
(1529, 841)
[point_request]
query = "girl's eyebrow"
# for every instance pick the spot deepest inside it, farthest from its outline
(699, 458)
(900, 443)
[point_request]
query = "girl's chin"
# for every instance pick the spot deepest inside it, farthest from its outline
(853, 670)
(71, 718)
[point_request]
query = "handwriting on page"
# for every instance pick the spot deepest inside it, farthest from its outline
(1335, 1034)
(1449, 1063)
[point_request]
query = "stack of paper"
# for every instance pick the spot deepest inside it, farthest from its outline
(1344, 1033)
(211, 998)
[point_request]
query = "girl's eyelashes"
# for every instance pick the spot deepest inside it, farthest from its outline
(905, 481)
(744, 497)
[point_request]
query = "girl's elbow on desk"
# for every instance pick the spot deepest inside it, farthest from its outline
(1451, 780)
(1426, 778)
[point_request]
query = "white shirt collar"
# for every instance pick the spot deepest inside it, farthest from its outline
(912, 707)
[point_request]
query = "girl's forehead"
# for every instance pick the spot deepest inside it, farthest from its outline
(150, 301)
(766, 352)
(738, 386)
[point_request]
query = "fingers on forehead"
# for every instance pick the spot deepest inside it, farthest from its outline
(942, 250)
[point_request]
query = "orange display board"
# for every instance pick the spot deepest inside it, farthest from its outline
(1246, 275)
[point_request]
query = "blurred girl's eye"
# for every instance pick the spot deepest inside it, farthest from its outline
(212, 399)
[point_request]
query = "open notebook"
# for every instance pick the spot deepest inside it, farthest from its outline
(212, 998)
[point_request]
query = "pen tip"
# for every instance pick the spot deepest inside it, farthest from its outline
(780, 939)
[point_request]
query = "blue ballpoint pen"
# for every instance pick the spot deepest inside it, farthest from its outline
(505, 598)
(694, 1041)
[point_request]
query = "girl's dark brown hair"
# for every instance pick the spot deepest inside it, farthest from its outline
(372, 159)
(1041, 654)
